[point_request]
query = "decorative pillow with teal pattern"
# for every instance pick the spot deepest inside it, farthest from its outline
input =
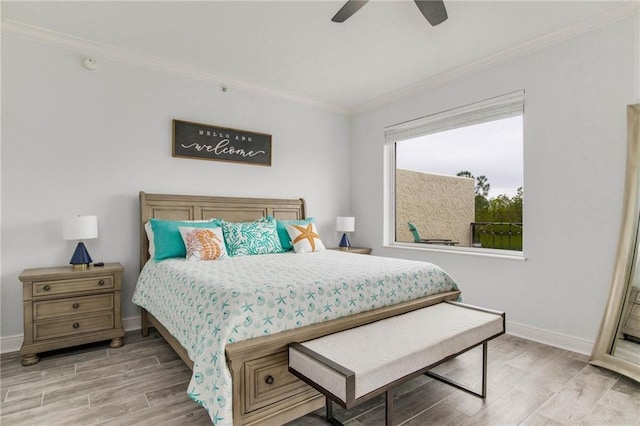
(248, 238)
(281, 225)
(165, 240)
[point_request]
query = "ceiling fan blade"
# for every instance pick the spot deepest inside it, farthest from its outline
(433, 10)
(349, 8)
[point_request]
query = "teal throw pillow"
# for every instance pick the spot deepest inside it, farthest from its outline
(248, 238)
(167, 240)
(281, 225)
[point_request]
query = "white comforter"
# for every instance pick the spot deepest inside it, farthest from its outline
(206, 305)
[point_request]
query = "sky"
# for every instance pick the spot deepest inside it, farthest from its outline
(493, 149)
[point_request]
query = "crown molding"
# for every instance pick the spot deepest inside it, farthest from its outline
(104, 51)
(89, 47)
(611, 16)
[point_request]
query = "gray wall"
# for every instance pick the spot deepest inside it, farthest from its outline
(77, 142)
(80, 142)
(574, 158)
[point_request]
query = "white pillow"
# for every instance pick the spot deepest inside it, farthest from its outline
(305, 238)
(149, 230)
(203, 243)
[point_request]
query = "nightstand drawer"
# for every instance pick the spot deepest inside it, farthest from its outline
(72, 306)
(49, 288)
(73, 325)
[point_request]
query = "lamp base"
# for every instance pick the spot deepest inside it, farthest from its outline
(80, 259)
(344, 242)
(80, 266)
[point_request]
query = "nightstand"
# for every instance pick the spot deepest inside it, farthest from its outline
(65, 307)
(357, 250)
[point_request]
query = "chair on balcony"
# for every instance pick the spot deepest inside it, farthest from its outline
(417, 239)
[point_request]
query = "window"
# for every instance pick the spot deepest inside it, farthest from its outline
(454, 180)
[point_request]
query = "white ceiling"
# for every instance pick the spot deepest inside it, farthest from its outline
(293, 48)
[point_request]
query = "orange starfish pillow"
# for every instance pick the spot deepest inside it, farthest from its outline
(305, 238)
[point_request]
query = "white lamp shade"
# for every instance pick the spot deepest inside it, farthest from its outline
(345, 224)
(80, 228)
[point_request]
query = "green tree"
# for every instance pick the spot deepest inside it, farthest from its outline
(498, 209)
(482, 186)
(482, 209)
(482, 183)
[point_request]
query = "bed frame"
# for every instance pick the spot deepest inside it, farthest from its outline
(264, 392)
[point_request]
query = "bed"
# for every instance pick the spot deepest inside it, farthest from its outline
(242, 377)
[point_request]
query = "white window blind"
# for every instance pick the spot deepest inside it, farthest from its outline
(497, 108)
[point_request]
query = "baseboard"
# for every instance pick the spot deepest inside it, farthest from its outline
(550, 338)
(10, 344)
(13, 343)
(131, 323)
(562, 341)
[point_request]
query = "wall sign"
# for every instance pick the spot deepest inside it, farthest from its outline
(195, 140)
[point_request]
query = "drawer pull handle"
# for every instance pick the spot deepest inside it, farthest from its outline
(46, 287)
(76, 324)
(101, 282)
(76, 305)
(269, 380)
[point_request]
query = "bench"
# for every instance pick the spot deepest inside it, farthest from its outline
(354, 365)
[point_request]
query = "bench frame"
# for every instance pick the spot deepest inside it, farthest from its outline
(388, 388)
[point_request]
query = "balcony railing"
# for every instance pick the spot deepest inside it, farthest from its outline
(498, 235)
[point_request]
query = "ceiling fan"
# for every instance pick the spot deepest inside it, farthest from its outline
(433, 10)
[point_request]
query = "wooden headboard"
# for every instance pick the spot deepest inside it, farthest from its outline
(198, 207)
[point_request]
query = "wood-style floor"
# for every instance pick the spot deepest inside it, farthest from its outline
(144, 382)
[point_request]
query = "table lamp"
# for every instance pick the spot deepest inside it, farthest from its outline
(80, 228)
(345, 224)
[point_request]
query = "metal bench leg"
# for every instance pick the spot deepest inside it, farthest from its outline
(484, 370)
(455, 384)
(389, 407)
(329, 413)
(388, 410)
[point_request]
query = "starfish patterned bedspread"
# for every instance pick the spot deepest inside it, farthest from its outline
(206, 305)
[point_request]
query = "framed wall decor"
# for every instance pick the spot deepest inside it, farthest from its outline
(207, 142)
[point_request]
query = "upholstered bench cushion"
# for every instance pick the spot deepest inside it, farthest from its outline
(387, 350)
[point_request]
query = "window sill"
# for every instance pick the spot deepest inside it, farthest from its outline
(467, 251)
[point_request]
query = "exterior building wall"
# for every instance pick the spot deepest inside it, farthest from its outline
(439, 206)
